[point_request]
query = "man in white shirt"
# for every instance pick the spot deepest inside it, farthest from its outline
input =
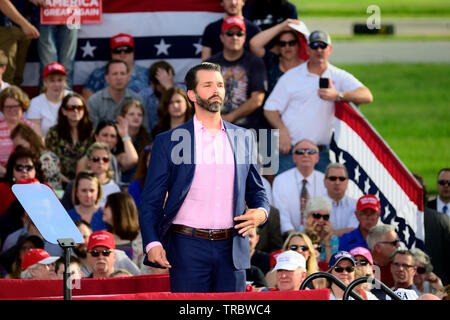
(289, 195)
(342, 216)
(300, 109)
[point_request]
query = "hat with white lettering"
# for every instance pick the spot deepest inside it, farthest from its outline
(53, 67)
(290, 260)
(368, 202)
(101, 239)
(121, 40)
(233, 21)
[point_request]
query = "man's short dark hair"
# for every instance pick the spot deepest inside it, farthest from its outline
(442, 170)
(154, 68)
(113, 62)
(191, 75)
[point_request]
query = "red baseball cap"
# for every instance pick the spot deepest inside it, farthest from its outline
(34, 256)
(233, 21)
(53, 68)
(121, 39)
(368, 202)
(101, 239)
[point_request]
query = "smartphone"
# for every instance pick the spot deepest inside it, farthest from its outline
(324, 83)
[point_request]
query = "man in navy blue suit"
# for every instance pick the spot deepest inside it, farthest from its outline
(203, 194)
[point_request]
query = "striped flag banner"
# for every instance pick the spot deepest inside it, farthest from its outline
(373, 168)
(162, 30)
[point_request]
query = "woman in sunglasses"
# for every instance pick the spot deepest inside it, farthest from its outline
(363, 268)
(86, 195)
(72, 134)
(425, 280)
(342, 266)
(285, 51)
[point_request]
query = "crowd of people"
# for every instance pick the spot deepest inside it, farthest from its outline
(93, 149)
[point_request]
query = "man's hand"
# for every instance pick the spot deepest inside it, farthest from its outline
(157, 255)
(251, 219)
(329, 94)
(165, 78)
(284, 141)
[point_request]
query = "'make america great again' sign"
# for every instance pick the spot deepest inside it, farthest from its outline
(71, 12)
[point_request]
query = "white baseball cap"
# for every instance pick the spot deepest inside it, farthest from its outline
(290, 260)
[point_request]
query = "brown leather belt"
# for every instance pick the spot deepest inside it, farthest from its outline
(203, 233)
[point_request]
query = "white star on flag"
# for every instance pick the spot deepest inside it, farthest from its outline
(198, 46)
(366, 186)
(357, 174)
(162, 47)
(88, 50)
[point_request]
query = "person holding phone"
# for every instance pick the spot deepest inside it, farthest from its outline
(302, 106)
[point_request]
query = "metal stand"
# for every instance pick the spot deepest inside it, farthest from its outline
(67, 245)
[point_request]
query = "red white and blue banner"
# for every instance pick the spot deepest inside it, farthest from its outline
(168, 30)
(375, 169)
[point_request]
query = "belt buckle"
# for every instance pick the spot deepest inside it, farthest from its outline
(210, 235)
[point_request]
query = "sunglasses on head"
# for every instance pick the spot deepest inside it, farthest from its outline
(302, 151)
(119, 50)
(97, 159)
(444, 182)
(295, 247)
(341, 269)
(238, 33)
(334, 178)
(96, 253)
(287, 43)
(71, 107)
(317, 216)
(20, 167)
(316, 45)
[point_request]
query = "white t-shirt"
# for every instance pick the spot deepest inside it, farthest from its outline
(44, 110)
(107, 189)
(305, 115)
(286, 190)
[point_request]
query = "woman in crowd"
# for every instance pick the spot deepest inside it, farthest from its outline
(24, 136)
(124, 155)
(363, 268)
(284, 55)
(136, 186)
(342, 266)
(72, 135)
(174, 110)
(120, 212)
(44, 108)
(424, 279)
(133, 112)
(13, 103)
(86, 195)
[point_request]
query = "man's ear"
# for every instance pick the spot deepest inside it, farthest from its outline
(191, 95)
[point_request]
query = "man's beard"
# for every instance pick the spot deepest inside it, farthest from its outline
(214, 106)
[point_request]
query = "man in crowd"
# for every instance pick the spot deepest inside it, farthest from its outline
(367, 213)
(342, 216)
(101, 254)
(244, 74)
(122, 48)
(403, 268)
(291, 270)
(294, 187)
(442, 201)
(38, 264)
(302, 109)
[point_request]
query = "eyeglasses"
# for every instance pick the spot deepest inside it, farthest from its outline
(361, 262)
(96, 253)
(20, 167)
(403, 265)
(318, 216)
(12, 107)
(316, 45)
(392, 243)
(119, 50)
(287, 43)
(97, 159)
(421, 270)
(444, 182)
(71, 107)
(295, 247)
(302, 151)
(238, 33)
(341, 269)
(334, 178)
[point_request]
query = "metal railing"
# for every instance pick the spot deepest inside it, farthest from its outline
(373, 281)
(333, 279)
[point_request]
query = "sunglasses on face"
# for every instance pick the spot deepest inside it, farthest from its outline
(362, 262)
(319, 248)
(238, 33)
(392, 243)
(96, 253)
(119, 50)
(316, 45)
(444, 182)
(287, 43)
(421, 270)
(341, 269)
(19, 167)
(302, 151)
(318, 216)
(97, 159)
(295, 247)
(71, 107)
(334, 178)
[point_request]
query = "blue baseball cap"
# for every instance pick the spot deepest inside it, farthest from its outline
(338, 256)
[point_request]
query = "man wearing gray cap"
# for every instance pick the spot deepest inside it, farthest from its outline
(302, 105)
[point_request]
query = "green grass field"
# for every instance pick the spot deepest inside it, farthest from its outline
(437, 8)
(411, 111)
